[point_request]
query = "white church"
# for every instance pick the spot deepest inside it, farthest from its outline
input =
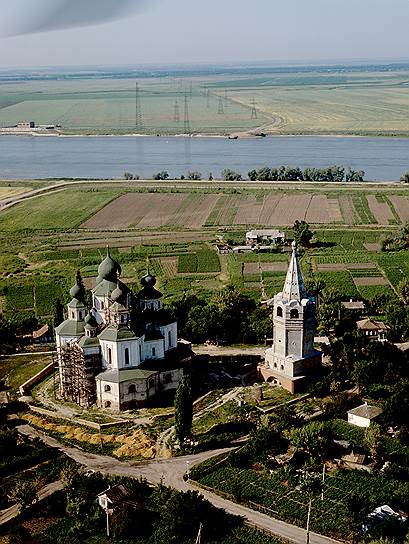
(292, 359)
(122, 352)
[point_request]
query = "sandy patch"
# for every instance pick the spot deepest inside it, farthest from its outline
(370, 281)
(380, 210)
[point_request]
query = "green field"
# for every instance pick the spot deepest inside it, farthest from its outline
(340, 100)
(44, 243)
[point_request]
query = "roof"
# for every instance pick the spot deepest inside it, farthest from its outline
(115, 494)
(88, 342)
(41, 332)
(71, 328)
(371, 325)
(120, 376)
(366, 411)
(353, 305)
(149, 293)
(153, 334)
(294, 284)
(114, 334)
(104, 288)
(75, 303)
(403, 347)
(355, 458)
(265, 232)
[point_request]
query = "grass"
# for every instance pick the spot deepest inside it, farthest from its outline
(60, 210)
(17, 370)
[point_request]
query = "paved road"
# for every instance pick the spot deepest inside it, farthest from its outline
(13, 511)
(171, 472)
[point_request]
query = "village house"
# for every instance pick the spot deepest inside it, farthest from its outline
(373, 330)
(254, 237)
(113, 498)
(363, 415)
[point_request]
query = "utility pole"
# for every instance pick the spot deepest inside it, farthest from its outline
(308, 521)
(254, 109)
(323, 481)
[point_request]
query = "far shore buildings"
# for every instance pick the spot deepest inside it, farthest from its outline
(292, 360)
(122, 352)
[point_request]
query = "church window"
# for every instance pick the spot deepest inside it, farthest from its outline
(282, 367)
(102, 305)
(275, 365)
(170, 338)
(167, 378)
(140, 352)
(294, 314)
(107, 388)
(109, 356)
(279, 312)
(131, 389)
(107, 404)
(127, 356)
(153, 352)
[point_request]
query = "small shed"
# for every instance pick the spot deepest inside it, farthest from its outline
(354, 305)
(363, 415)
(113, 497)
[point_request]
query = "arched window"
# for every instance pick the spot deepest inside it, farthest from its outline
(109, 356)
(107, 404)
(131, 389)
(294, 314)
(153, 352)
(127, 356)
(279, 312)
(107, 388)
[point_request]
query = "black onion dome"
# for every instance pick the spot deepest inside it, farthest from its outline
(109, 270)
(91, 321)
(148, 281)
(78, 292)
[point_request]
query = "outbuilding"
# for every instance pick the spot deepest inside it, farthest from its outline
(363, 415)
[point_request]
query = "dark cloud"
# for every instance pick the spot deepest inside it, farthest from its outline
(63, 14)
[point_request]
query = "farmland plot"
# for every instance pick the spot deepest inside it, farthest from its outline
(142, 209)
(381, 210)
(401, 204)
(195, 214)
(254, 268)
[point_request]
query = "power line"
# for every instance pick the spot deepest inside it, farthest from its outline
(186, 123)
(254, 109)
(176, 113)
(220, 109)
(138, 110)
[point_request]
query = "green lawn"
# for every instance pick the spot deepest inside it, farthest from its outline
(17, 370)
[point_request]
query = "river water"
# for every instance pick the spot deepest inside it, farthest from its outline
(34, 157)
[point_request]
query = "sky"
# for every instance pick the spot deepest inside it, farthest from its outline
(211, 31)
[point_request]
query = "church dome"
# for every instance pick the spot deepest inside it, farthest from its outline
(148, 281)
(119, 292)
(78, 290)
(108, 269)
(90, 321)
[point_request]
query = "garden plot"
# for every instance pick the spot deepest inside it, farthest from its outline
(376, 280)
(348, 210)
(339, 267)
(169, 266)
(401, 205)
(254, 268)
(268, 211)
(194, 212)
(381, 210)
(318, 211)
(249, 210)
(290, 209)
(148, 209)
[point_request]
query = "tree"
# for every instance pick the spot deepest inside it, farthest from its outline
(194, 175)
(314, 439)
(183, 409)
(231, 175)
(163, 175)
(302, 233)
(24, 493)
(374, 442)
(58, 313)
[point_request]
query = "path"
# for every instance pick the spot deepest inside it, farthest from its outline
(171, 473)
(13, 511)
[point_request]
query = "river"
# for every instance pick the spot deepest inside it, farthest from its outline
(38, 157)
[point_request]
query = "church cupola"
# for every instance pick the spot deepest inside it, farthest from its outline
(91, 326)
(77, 309)
(108, 270)
(149, 298)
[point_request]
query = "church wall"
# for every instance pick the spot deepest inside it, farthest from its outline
(110, 398)
(170, 380)
(172, 328)
(154, 350)
(134, 354)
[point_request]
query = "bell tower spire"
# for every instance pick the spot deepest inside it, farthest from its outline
(294, 288)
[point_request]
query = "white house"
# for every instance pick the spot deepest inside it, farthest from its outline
(363, 415)
(254, 237)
